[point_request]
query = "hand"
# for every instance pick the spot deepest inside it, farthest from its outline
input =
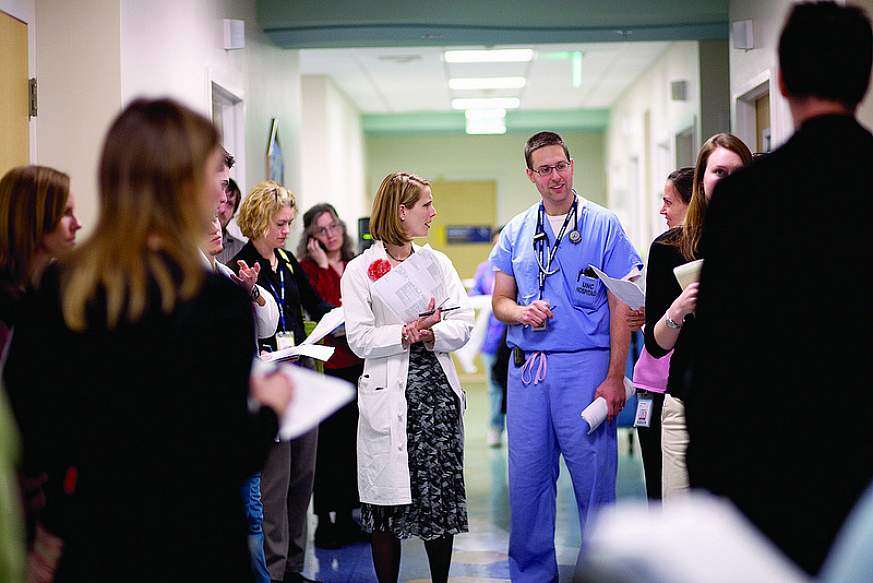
(685, 304)
(612, 390)
(635, 319)
(248, 276)
(535, 314)
(274, 390)
(317, 253)
(426, 322)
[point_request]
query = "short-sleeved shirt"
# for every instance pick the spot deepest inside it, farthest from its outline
(579, 302)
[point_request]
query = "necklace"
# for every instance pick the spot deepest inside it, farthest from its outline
(411, 251)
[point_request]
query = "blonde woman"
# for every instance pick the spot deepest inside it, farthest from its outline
(410, 434)
(113, 379)
(265, 217)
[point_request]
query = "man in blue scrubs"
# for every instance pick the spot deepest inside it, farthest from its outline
(569, 341)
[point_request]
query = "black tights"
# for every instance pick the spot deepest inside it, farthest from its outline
(386, 557)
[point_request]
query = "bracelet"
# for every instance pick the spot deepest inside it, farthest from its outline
(671, 324)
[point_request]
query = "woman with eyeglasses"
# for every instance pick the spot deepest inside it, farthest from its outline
(265, 217)
(325, 249)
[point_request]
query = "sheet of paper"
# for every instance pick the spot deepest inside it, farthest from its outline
(688, 273)
(408, 287)
(316, 351)
(627, 291)
(316, 397)
(330, 322)
(595, 413)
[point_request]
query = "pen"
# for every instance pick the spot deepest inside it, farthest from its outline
(432, 312)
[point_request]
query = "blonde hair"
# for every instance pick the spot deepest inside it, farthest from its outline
(398, 188)
(692, 229)
(258, 208)
(32, 202)
(152, 217)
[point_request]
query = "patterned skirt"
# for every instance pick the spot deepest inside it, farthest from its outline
(435, 446)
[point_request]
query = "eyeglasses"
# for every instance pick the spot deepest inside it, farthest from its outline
(547, 170)
(325, 231)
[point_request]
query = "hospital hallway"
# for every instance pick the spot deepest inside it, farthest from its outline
(480, 555)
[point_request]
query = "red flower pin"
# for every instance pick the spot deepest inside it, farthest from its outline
(378, 268)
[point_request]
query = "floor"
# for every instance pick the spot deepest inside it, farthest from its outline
(480, 555)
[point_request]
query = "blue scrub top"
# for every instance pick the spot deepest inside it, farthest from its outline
(581, 319)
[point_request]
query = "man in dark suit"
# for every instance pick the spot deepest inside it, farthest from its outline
(777, 414)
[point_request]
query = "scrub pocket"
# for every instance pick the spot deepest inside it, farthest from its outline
(587, 292)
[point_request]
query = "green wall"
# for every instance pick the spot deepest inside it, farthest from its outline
(494, 157)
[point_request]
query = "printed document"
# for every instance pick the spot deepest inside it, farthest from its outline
(627, 291)
(409, 286)
(688, 273)
(316, 351)
(596, 413)
(330, 322)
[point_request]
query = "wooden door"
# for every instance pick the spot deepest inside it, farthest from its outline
(14, 146)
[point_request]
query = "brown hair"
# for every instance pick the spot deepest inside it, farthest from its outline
(398, 188)
(262, 203)
(32, 202)
(153, 214)
(347, 253)
(541, 140)
(688, 239)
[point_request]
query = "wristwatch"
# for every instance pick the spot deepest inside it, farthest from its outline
(671, 324)
(256, 293)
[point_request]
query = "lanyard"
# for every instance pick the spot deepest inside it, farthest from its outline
(540, 242)
(280, 298)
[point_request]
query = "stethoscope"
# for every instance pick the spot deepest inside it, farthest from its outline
(540, 241)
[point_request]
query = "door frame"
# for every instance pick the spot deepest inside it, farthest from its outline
(25, 11)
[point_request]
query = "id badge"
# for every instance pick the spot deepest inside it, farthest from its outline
(284, 340)
(643, 417)
(545, 325)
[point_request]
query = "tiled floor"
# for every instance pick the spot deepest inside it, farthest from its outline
(480, 555)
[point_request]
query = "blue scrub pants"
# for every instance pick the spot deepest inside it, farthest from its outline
(543, 422)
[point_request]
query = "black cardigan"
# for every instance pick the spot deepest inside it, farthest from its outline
(299, 293)
(144, 431)
(661, 290)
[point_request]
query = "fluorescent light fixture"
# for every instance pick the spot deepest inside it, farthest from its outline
(496, 113)
(487, 83)
(577, 69)
(495, 125)
(489, 56)
(486, 103)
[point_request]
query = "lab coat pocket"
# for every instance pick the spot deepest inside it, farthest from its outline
(375, 405)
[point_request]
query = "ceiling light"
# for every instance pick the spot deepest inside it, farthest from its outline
(489, 56)
(487, 83)
(494, 113)
(486, 103)
(486, 126)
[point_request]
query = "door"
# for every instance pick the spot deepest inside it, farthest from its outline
(762, 123)
(14, 109)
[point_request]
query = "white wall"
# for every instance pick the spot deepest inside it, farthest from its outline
(498, 157)
(175, 48)
(333, 158)
(636, 170)
(79, 80)
(752, 68)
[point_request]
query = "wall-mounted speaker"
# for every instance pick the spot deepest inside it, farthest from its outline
(679, 90)
(234, 34)
(742, 34)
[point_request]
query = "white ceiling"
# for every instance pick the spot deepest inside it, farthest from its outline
(395, 80)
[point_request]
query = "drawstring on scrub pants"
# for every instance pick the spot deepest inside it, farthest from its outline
(527, 370)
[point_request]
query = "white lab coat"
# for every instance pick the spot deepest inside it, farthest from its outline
(373, 333)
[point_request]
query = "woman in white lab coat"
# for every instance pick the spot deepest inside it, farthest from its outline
(410, 433)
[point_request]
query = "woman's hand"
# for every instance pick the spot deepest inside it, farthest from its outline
(685, 304)
(274, 390)
(248, 276)
(426, 322)
(635, 319)
(317, 253)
